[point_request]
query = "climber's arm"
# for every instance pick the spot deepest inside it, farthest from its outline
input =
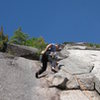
(47, 47)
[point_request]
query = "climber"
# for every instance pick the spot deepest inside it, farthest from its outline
(49, 54)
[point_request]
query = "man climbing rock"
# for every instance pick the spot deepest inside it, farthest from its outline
(49, 54)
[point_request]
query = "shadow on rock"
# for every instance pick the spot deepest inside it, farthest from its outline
(61, 86)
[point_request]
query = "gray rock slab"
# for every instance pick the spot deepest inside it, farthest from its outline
(18, 82)
(64, 53)
(72, 84)
(22, 51)
(78, 47)
(93, 95)
(73, 95)
(79, 95)
(86, 81)
(81, 56)
(57, 80)
(76, 65)
(97, 82)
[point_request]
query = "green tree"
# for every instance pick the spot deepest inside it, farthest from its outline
(19, 37)
(37, 43)
(97, 45)
(23, 39)
(3, 40)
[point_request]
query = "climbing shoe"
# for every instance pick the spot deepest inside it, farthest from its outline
(36, 75)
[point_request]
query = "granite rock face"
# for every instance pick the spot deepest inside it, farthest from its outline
(77, 79)
(18, 82)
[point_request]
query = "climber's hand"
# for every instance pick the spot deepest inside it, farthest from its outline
(42, 52)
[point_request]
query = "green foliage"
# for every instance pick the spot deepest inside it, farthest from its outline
(3, 40)
(23, 39)
(90, 44)
(93, 45)
(97, 45)
(1, 45)
(37, 43)
(19, 37)
(68, 43)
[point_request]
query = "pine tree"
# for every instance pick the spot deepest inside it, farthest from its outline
(19, 37)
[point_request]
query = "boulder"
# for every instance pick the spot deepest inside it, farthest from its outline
(23, 51)
(59, 83)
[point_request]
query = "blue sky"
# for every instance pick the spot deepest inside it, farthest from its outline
(55, 20)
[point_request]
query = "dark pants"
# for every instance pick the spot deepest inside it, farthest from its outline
(44, 64)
